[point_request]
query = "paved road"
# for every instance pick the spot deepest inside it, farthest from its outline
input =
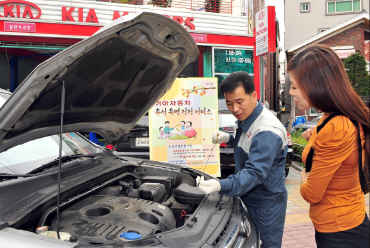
(299, 231)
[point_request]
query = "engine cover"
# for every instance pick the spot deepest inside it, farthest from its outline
(106, 217)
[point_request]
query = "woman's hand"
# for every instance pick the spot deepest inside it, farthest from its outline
(307, 134)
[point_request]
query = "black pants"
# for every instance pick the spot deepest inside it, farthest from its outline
(357, 237)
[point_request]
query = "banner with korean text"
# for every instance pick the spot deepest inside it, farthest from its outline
(181, 125)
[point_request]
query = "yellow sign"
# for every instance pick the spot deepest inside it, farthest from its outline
(181, 125)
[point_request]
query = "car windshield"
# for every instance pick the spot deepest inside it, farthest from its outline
(29, 156)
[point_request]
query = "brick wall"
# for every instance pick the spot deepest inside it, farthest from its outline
(351, 37)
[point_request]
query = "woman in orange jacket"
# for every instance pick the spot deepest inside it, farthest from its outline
(332, 187)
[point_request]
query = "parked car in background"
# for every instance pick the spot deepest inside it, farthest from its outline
(228, 124)
(58, 189)
(304, 125)
(136, 142)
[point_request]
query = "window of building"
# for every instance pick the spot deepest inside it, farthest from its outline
(343, 6)
(304, 7)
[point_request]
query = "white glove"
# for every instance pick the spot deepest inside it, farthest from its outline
(199, 179)
(220, 137)
(209, 186)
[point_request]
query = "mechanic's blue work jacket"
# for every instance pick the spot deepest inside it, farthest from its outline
(260, 147)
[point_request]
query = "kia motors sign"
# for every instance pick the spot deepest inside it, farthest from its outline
(78, 19)
(19, 9)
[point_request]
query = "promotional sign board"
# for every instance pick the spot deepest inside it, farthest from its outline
(181, 125)
(261, 32)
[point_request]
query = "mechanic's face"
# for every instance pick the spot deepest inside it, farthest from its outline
(240, 103)
(300, 98)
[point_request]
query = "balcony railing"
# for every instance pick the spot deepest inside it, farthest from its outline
(216, 6)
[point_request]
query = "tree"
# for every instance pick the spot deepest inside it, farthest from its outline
(360, 78)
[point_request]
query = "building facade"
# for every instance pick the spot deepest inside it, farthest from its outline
(32, 31)
(306, 18)
(342, 25)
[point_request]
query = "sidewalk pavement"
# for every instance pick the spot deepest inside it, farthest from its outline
(299, 231)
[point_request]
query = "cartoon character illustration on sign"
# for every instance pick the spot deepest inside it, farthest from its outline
(189, 130)
(167, 129)
(161, 133)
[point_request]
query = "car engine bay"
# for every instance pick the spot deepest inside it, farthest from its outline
(139, 205)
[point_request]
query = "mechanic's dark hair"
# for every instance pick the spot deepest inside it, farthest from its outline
(236, 79)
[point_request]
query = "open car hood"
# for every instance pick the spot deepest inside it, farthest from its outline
(111, 79)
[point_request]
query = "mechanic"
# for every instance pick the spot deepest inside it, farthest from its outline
(260, 148)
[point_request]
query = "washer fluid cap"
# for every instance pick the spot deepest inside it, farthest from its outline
(130, 235)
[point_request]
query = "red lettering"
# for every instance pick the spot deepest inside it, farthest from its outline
(80, 14)
(67, 14)
(27, 11)
(8, 10)
(91, 16)
(189, 23)
(178, 19)
(18, 11)
(117, 15)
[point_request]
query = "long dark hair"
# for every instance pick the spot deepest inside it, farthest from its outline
(321, 75)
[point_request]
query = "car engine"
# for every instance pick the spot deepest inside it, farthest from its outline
(140, 205)
(107, 216)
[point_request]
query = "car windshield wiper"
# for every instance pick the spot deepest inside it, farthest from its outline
(64, 159)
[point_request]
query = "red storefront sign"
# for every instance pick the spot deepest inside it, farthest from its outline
(70, 23)
(20, 9)
(199, 38)
(27, 10)
(23, 27)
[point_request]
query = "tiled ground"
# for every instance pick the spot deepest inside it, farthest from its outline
(299, 231)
